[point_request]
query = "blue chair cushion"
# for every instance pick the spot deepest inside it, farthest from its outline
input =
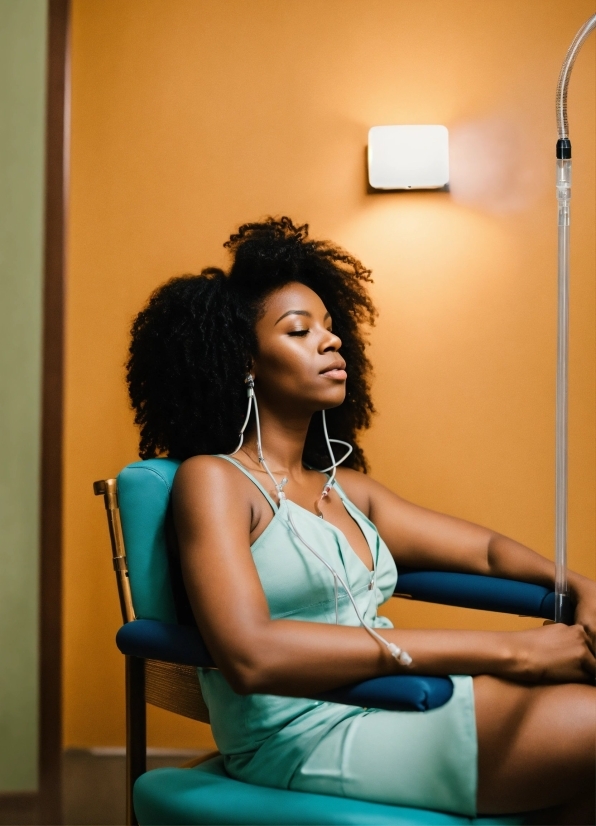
(165, 641)
(475, 591)
(149, 639)
(207, 795)
(398, 692)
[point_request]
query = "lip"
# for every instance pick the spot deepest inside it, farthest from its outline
(335, 371)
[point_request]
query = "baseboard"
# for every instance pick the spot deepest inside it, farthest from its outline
(19, 808)
(120, 751)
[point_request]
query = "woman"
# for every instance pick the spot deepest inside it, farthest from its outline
(267, 542)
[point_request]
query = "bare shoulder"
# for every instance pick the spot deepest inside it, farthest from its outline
(209, 477)
(358, 486)
(202, 469)
(366, 493)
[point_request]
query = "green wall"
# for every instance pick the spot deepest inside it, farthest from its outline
(22, 113)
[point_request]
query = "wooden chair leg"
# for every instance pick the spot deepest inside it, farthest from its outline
(136, 730)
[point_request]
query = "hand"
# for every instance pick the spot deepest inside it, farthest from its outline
(555, 653)
(584, 592)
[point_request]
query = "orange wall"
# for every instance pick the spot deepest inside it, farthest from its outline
(192, 116)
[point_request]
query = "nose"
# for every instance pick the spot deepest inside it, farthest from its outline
(330, 342)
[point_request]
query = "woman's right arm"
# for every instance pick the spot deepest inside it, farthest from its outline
(213, 514)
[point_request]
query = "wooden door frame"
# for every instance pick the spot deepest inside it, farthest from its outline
(44, 806)
(51, 508)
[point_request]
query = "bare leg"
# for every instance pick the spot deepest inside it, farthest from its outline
(536, 749)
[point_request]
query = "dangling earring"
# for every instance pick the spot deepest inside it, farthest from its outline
(250, 392)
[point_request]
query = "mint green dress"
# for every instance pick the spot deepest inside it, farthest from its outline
(406, 758)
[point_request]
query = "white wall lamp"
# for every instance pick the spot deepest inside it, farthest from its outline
(408, 157)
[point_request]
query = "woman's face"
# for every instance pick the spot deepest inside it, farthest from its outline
(298, 365)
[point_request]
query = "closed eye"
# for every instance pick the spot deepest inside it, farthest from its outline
(298, 332)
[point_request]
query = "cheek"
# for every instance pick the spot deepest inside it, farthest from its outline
(285, 366)
(284, 362)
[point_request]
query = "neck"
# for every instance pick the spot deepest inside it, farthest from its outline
(282, 441)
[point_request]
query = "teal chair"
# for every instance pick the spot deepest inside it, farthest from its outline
(163, 649)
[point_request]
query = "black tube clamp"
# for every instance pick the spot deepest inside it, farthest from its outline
(564, 149)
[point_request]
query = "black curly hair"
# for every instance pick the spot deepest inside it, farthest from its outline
(192, 344)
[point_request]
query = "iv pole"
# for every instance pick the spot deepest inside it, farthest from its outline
(563, 610)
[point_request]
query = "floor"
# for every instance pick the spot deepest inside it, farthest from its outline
(94, 783)
(94, 790)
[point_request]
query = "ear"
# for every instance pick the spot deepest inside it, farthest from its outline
(249, 376)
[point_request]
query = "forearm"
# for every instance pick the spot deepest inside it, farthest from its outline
(511, 560)
(301, 659)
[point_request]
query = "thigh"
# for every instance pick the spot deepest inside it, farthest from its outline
(536, 744)
(402, 758)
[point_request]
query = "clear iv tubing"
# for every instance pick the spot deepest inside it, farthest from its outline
(563, 184)
(397, 653)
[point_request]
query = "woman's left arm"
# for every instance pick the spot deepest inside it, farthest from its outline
(512, 560)
(421, 538)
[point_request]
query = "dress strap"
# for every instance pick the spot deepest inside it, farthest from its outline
(247, 473)
(340, 491)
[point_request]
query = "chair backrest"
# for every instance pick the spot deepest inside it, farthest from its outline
(144, 490)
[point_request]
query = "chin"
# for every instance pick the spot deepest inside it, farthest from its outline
(332, 401)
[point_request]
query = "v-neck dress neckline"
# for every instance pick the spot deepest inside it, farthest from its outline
(353, 511)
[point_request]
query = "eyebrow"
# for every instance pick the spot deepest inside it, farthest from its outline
(300, 312)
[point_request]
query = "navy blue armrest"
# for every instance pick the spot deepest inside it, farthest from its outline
(165, 641)
(474, 591)
(154, 640)
(398, 692)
